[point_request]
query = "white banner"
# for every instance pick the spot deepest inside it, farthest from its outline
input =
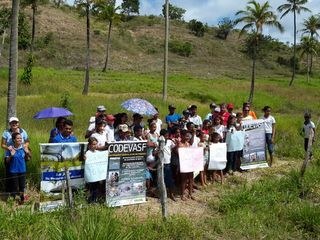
(191, 159)
(218, 156)
(96, 166)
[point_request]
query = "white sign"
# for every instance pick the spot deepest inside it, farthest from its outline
(218, 156)
(96, 166)
(191, 159)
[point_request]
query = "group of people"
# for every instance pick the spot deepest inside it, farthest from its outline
(179, 131)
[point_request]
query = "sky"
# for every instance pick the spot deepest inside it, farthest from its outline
(211, 11)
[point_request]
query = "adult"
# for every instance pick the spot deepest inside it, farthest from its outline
(245, 114)
(224, 114)
(155, 118)
(270, 127)
(101, 113)
(230, 108)
(194, 117)
(110, 128)
(172, 119)
(7, 142)
(59, 126)
(308, 125)
(212, 107)
(65, 136)
(251, 112)
(123, 133)
(137, 121)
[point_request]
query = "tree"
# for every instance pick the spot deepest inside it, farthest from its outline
(311, 26)
(175, 13)
(225, 26)
(197, 27)
(107, 11)
(13, 61)
(295, 6)
(85, 6)
(4, 25)
(34, 6)
(308, 47)
(130, 6)
(255, 17)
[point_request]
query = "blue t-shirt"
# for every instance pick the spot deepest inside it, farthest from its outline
(60, 139)
(17, 162)
(173, 118)
(7, 136)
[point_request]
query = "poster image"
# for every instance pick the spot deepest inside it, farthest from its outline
(56, 158)
(125, 183)
(254, 150)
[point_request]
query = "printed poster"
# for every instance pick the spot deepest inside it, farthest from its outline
(126, 183)
(191, 159)
(254, 150)
(217, 156)
(55, 158)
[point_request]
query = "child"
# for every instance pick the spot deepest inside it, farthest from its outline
(218, 127)
(239, 117)
(308, 125)
(16, 158)
(270, 127)
(204, 143)
(100, 134)
(93, 186)
(231, 154)
(215, 139)
(167, 148)
(152, 145)
(138, 133)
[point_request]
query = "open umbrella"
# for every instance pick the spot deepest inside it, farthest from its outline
(52, 112)
(140, 106)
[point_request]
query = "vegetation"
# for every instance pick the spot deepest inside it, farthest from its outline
(225, 26)
(175, 13)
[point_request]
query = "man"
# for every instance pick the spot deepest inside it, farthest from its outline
(212, 108)
(194, 118)
(65, 136)
(101, 113)
(172, 119)
(110, 128)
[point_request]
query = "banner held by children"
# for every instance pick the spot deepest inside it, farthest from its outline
(126, 173)
(254, 150)
(218, 156)
(96, 167)
(55, 159)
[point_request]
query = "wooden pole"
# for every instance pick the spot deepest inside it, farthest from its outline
(166, 44)
(69, 189)
(161, 184)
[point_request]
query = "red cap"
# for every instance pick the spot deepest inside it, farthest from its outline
(230, 106)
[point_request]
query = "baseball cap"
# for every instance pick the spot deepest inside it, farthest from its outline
(217, 109)
(13, 119)
(110, 117)
(101, 108)
(213, 105)
(230, 106)
(123, 127)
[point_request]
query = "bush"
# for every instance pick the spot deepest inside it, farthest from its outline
(24, 40)
(181, 48)
(26, 77)
(197, 28)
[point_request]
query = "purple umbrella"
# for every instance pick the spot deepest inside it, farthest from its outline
(52, 112)
(140, 106)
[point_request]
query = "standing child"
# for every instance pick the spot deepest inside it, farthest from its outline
(270, 127)
(205, 144)
(231, 153)
(16, 157)
(93, 186)
(308, 125)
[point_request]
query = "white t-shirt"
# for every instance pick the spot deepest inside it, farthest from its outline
(268, 122)
(167, 151)
(101, 137)
(110, 133)
(220, 129)
(196, 141)
(92, 123)
(249, 117)
(306, 129)
(196, 120)
(158, 124)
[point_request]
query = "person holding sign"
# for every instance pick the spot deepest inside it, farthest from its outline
(270, 127)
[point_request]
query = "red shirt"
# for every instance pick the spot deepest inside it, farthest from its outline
(224, 117)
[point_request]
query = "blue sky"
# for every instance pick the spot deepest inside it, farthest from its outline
(211, 11)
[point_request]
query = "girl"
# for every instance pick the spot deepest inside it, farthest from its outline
(270, 127)
(152, 143)
(93, 186)
(100, 134)
(186, 178)
(16, 159)
(205, 144)
(231, 154)
(218, 127)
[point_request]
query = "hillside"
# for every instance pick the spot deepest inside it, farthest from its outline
(137, 45)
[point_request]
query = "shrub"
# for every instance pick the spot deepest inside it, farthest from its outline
(26, 76)
(181, 48)
(24, 39)
(197, 27)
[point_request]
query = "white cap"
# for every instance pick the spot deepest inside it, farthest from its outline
(13, 119)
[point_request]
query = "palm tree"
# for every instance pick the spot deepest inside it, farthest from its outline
(295, 6)
(308, 47)
(107, 12)
(13, 61)
(311, 26)
(86, 4)
(255, 17)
